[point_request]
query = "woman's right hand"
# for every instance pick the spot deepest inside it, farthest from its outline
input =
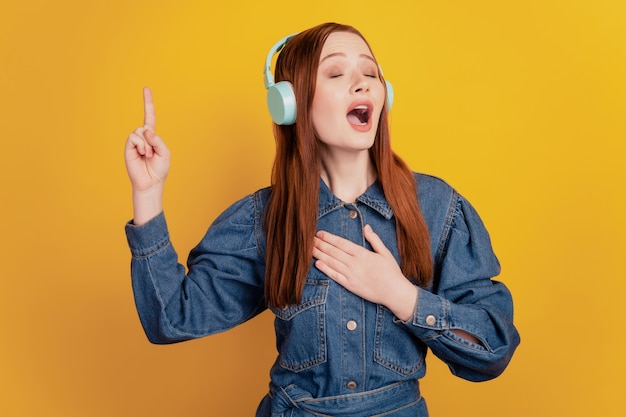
(147, 162)
(147, 157)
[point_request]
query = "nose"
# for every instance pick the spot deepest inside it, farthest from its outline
(361, 84)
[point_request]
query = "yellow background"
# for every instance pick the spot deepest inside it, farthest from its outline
(519, 105)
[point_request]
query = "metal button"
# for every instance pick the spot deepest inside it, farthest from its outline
(351, 325)
(430, 320)
(351, 385)
(353, 214)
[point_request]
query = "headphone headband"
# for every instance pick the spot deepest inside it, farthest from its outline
(278, 46)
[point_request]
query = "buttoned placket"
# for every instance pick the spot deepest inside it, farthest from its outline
(353, 312)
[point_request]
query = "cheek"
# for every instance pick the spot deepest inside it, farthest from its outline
(326, 105)
(381, 94)
(326, 96)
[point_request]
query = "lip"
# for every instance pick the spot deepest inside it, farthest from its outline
(370, 109)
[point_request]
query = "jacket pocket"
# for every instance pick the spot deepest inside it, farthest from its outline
(301, 329)
(394, 347)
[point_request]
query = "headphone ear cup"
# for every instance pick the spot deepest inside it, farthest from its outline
(281, 101)
(390, 95)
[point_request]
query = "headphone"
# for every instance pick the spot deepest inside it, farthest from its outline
(281, 98)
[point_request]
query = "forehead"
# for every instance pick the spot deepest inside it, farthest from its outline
(345, 43)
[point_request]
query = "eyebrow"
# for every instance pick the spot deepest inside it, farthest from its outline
(341, 54)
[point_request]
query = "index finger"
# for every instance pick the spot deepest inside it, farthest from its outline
(149, 116)
(338, 242)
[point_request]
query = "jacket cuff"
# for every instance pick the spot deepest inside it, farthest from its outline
(148, 238)
(431, 313)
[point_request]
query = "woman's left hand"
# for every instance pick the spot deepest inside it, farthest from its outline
(373, 275)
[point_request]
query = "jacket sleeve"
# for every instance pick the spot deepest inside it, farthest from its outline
(222, 287)
(464, 296)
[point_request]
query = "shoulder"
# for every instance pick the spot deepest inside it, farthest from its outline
(447, 212)
(444, 209)
(438, 198)
(246, 210)
(261, 196)
(434, 194)
(430, 180)
(239, 226)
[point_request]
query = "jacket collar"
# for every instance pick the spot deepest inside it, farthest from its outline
(373, 197)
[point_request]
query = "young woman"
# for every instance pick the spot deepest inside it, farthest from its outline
(365, 264)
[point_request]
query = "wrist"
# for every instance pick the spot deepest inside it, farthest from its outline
(147, 204)
(405, 300)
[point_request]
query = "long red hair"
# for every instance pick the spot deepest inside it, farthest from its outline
(290, 218)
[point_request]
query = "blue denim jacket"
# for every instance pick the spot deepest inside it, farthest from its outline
(338, 354)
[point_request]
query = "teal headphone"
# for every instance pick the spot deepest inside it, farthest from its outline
(281, 98)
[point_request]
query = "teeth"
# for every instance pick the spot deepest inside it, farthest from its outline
(359, 115)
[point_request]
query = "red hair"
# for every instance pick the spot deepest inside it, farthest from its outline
(290, 218)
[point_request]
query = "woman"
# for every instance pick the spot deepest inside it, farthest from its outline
(364, 263)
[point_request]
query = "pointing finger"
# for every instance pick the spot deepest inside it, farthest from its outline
(149, 116)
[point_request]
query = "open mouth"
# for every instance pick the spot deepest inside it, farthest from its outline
(360, 115)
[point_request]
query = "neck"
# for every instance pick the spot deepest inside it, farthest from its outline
(348, 175)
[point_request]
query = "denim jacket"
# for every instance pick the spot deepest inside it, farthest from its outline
(338, 354)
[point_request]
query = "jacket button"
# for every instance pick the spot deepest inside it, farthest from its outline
(353, 214)
(430, 320)
(351, 325)
(351, 385)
